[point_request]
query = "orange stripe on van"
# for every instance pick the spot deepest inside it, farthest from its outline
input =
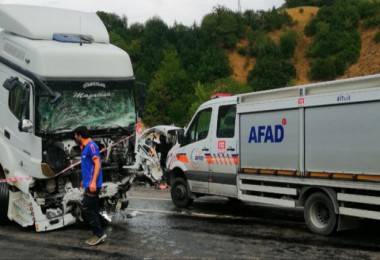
(368, 177)
(286, 173)
(235, 157)
(182, 158)
(209, 159)
(343, 176)
(318, 174)
(325, 175)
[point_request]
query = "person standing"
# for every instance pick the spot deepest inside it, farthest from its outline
(92, 180)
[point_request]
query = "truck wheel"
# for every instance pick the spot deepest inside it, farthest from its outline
(4, 200)
(319, 214)
(179, 193)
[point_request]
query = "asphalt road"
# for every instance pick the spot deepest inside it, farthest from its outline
(211, 228)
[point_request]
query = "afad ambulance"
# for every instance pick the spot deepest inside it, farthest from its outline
(314, 146)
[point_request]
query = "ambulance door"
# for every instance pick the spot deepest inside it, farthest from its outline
(224, 153)
(197, 143)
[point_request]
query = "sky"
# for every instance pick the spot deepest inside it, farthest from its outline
(181, 11)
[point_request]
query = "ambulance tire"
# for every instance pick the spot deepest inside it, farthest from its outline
(320, 215)
(180, 193)
(4, 200)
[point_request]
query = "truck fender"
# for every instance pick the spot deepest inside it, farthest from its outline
(307, 191)
(6, 162)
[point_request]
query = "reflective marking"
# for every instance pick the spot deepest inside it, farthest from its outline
(229, 159)
(15, 179)
(216, 159)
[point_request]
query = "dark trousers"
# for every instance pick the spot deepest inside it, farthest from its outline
(91, 213)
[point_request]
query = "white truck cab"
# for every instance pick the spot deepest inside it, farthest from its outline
(58, 71)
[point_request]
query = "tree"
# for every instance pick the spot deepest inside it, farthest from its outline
(288, 43)
(158, 94)
(203, 92)
(223, 26)
(169, 94)
(114, 23)
(336, 43)
(270, 73)
(213, 65)
(152, 44)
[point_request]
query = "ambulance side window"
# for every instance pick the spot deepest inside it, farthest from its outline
(199, 128)
(226, 121)
(15, 101)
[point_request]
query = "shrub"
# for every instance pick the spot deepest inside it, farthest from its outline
(371, 22)
(368, 8)
(337, 43)
(266, 47)
(376, 38)
(243, 51)
(274, 20)
(270, 73)
(323, 69)
(288, 43)
(311, 28)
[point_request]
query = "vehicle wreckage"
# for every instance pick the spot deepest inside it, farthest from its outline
(51, 83)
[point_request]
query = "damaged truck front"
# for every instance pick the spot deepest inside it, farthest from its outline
(56, 73)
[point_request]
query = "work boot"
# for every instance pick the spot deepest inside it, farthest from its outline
(94, 240)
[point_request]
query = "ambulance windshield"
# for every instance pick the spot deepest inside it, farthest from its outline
(97, 105)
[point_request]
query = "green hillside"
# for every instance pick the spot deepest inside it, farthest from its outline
(251, 51)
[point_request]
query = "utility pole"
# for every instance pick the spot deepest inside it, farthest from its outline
(239, 6)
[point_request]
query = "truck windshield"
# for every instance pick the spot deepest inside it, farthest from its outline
(97, 105)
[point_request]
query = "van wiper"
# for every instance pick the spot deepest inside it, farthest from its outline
(62, 130)
(126, 130)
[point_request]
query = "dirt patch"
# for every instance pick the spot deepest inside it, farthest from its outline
(301, 18)
(367, 64)
(241, 65)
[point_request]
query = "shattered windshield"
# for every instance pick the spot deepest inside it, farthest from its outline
(92, 104)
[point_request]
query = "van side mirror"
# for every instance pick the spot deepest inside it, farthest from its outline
(181, 137)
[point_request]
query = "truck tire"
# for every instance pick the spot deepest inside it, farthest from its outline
(180, 194)
(4, 200)
(319, 214)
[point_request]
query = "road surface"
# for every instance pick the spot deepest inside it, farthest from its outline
(211, 228)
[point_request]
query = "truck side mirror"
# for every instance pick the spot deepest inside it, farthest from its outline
(25, 125)
(11, 83)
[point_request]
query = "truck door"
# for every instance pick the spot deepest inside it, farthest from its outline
(223, 166)
(197, 144)
(25, 147)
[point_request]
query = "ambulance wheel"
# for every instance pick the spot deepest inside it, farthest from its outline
(4, 199)
(319, 214)
(180, 194)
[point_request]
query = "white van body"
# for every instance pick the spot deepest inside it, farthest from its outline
(315, 146)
